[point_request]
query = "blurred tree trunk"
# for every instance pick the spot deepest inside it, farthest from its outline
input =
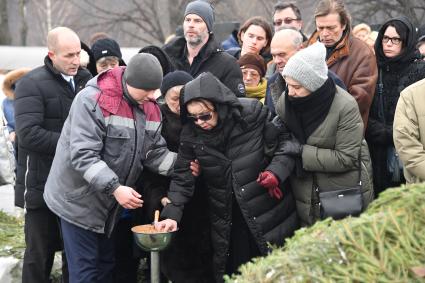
(5, 38)
(23, 15)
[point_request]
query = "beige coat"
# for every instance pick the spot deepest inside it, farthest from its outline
(409, 131)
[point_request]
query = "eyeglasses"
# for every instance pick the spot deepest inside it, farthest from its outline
(286, 21)
(394, 40)
(203, 117)
(253, 74)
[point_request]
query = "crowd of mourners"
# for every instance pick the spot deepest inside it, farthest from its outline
(238, 143)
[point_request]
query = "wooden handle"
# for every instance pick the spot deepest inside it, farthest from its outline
(156, 217)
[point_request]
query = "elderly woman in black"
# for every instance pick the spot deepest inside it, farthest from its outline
(399, 67)
(188, 258)
(226, 135)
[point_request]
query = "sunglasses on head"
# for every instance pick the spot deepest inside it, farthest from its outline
(203, 117)
(286, 21)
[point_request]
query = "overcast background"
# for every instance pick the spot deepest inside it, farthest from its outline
(136, 23)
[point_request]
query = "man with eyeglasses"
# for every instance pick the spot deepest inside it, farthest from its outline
(197, 51)
(285, 16)
(350, 58)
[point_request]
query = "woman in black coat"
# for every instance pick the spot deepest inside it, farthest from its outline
(399, 67)
(226, 135)
(188, 258)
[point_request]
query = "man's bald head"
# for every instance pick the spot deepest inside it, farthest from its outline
(285, 43)
(64, 50)
(59, 35)
(291, 35)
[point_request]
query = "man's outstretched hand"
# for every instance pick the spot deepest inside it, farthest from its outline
(128, 197)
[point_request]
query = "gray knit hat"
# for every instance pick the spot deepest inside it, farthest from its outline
(202, 9)
(308, 67)
(143, 72)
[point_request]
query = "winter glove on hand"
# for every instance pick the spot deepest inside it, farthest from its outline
(292, 147)
(269, 181)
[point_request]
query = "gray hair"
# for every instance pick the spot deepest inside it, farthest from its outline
(291, 34)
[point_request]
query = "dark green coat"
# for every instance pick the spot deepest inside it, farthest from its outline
(331, 153)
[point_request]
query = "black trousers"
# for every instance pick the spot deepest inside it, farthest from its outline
(126, 257)
(42, 239)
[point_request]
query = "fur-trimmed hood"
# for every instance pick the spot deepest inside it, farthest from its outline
(11, 78)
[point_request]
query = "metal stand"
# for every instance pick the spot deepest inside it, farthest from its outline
(155, 272)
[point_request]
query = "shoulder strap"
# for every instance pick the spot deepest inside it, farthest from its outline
(360, 164)
(381, 112)
(359, 171)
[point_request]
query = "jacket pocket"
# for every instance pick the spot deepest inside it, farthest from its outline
(77, 193)
(116, 141)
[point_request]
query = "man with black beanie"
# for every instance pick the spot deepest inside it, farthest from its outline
(111, 134)
(197, 51)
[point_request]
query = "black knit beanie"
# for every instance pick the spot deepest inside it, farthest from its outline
(106, 47)
(174, 79)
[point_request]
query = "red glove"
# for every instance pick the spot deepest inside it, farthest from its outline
(269, 181)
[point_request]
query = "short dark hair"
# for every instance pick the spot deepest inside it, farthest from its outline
(284, 5)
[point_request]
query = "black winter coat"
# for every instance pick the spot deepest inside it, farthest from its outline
(395, 74)
(231, 175)
(43, 100)
(188, 258)
(211, 59)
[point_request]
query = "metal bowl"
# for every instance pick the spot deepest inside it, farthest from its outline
(152, 242)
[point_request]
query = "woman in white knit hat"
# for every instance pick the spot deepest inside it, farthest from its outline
(327, 136)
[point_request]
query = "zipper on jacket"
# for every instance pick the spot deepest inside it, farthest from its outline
(134, 151)
(25, 182)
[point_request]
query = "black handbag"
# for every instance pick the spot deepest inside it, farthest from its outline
(342, 202)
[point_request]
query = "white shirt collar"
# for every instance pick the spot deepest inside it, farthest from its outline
(67, 78)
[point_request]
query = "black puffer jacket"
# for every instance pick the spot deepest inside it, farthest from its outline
(211, 59)
(395, 74)
(43, 100)
(231, 174)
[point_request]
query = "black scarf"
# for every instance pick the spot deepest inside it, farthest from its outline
(303, 115)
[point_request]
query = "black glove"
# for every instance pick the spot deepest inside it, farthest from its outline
(291, 147)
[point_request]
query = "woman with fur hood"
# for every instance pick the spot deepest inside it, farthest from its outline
(8, 104)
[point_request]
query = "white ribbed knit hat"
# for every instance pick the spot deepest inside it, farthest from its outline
(308, 67)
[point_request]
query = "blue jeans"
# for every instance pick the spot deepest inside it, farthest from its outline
(90, 255)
